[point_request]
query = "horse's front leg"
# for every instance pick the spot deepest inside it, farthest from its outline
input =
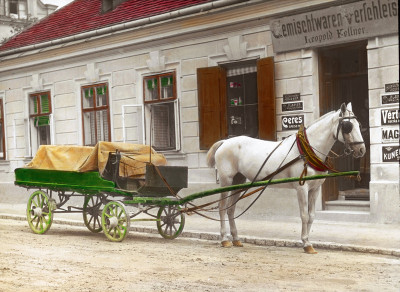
(301, 197)
(312, 198)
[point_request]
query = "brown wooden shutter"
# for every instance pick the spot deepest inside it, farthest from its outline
(266, 99)
(211, 85)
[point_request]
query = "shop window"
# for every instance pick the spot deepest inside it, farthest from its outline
(40, 119)
(160, 99)
(236, 99)
(242, 101)
(95, 114)
(2, 136)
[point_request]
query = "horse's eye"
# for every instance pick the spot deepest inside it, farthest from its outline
(347, 127)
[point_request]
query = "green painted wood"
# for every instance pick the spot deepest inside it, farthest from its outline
(82, 182)
(169, 201)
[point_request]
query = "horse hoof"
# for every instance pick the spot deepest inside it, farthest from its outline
(226, 243)
(310, 250)
(237, 243)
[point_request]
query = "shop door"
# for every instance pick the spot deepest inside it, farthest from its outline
(344, 78)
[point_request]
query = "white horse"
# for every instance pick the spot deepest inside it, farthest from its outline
(241, 158)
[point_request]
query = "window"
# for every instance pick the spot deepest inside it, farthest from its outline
(39, 114)
(159, 87)
(160, 98)
(13, 7)
(242, 103)
(2, 136)
(227, 108)
(95, 114)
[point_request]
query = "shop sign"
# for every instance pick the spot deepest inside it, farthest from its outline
(390, 135)
(292, 106)
(390, 154)
(392, 87)
(390, 116)
(389, 98)
(291, 97)
(337, 24)
(292, 122)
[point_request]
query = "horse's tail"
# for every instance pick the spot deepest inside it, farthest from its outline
(211, 153)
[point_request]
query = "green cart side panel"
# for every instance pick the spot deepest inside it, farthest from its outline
(83, 182)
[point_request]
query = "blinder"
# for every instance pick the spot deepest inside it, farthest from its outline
(346, 126)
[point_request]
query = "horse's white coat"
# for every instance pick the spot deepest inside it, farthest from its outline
(244, 155)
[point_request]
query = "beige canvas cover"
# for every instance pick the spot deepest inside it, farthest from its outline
(86, 158)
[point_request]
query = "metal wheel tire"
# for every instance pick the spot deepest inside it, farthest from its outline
(115, 221)
(171, 222)
(39, 213)
(92, 209)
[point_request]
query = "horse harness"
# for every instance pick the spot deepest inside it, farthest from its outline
(346, 126)
(306, 153)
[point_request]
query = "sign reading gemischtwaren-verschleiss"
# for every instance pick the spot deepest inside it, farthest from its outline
(337, 24)
(292, 122)
(390, 153)
(390, 116)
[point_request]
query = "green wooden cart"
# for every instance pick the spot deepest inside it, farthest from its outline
(106, 197)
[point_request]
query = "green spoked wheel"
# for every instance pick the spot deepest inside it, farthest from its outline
(92, 208)
(39, 212)
(115, 221)
(170, 221)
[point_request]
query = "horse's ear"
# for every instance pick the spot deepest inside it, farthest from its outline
(349, 107)
(343, 109)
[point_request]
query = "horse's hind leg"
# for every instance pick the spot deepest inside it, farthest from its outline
(238, 179)
(223, 203)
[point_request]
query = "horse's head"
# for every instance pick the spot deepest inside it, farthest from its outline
(348, 131)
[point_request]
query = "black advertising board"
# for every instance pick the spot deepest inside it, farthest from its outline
(389, 98)
(292, 106)
(390, 116)
(392, 87)
(291, 97)
(390, 135)
(292, 122)
(390, 154)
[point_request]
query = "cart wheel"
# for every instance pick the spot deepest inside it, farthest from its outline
(92, 209)
(171, 222)
(115, 221)
(39, 213)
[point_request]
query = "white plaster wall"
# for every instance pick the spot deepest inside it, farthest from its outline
(383, 68)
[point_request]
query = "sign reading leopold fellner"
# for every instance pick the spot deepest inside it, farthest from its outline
(337, 24)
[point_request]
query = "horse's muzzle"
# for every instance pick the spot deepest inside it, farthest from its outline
(358, 150)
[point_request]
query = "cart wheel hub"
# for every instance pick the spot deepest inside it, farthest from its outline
(37, 212)
(113, 222)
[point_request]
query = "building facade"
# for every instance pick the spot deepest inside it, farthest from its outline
(21, 13)
(199, 71)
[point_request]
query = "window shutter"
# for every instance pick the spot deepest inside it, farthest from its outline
(211, 85)
(266, 99)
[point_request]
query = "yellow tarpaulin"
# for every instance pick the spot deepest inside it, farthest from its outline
(85, 158)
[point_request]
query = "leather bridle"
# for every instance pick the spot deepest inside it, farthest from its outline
(347, 127)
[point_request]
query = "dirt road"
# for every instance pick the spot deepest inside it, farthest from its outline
(73, 259)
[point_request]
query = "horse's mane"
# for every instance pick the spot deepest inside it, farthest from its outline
(321, 118)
